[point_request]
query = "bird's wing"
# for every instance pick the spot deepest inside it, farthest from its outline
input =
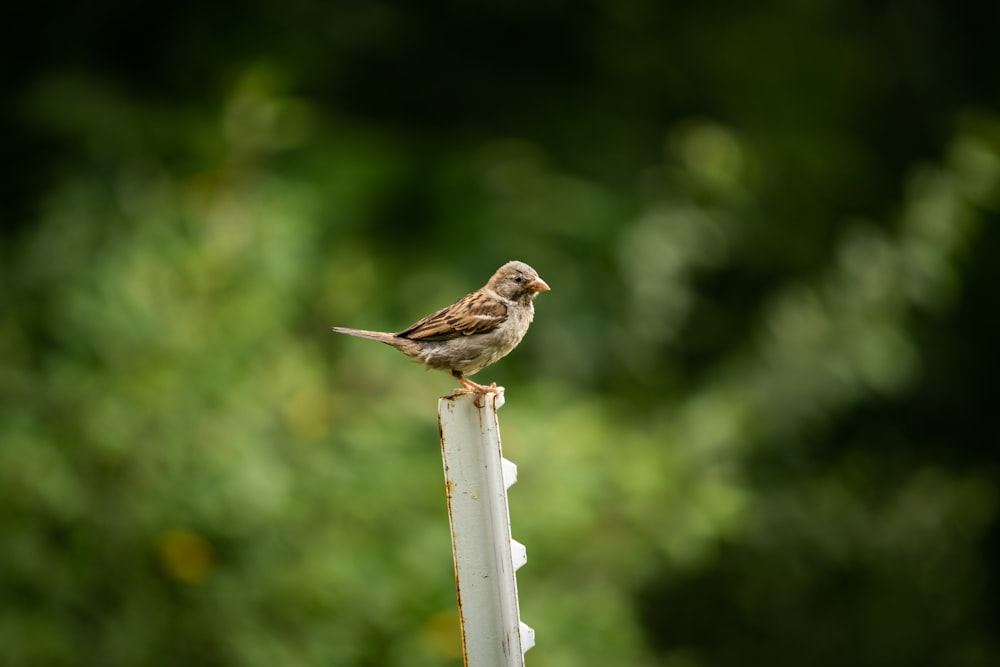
(474, 313)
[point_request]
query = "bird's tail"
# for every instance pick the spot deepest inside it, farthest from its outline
(381, 336)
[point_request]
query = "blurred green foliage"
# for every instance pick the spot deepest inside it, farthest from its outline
(753, 418)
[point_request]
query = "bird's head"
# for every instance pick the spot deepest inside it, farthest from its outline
(517, 281)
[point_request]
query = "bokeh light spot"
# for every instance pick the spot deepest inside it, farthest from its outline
(186, 556)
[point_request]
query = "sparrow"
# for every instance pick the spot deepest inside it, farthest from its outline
(475, 331)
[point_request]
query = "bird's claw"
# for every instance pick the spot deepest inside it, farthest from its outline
(491, 389)
(468, 386)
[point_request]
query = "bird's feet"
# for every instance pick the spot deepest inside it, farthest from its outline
(479, 389)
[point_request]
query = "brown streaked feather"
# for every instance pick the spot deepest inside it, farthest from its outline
(474, 313)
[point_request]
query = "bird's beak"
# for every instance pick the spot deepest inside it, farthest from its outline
(540, 285)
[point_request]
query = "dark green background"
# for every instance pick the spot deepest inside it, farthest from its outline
(754, 418)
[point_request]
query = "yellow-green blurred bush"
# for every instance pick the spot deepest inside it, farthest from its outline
(751, 423)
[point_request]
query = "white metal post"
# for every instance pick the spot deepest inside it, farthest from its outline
(476, 479)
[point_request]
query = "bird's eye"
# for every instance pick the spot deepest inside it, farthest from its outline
(518, 279)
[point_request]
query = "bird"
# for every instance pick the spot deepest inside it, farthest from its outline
(475, 331)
